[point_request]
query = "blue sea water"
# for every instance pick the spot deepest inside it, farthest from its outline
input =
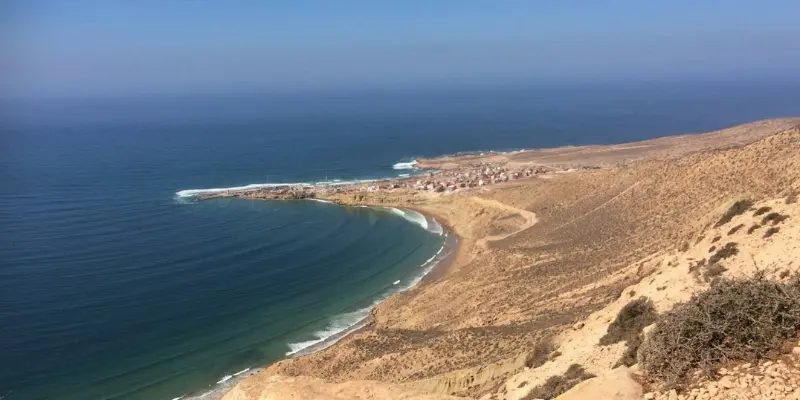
(113, 286)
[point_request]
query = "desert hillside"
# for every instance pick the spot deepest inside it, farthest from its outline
(549, 262)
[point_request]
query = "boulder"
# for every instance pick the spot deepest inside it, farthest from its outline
(617, 384)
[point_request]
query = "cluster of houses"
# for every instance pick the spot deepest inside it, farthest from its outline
(475, 176)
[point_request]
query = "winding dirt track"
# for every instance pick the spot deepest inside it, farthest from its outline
(530, 219)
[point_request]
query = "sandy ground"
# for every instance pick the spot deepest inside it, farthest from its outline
(539, 256)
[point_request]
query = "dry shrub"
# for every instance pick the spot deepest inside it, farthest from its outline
(762, 210)
(713, 271)
(540, 353)
(711, 249)
(737, 319)
(738, 208)
(791, 198)
(628, 326)
(557, 385)
(716, 239)
(735, 229)
(771, 231)
(774, 218)
(730, 249)
(753, 228)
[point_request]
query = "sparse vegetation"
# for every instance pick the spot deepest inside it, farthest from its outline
(738, 208)
(712, 248)
(774, 218)
(557, 385)
(730, 249)
(540, 353)
(753, 228)
(771, 231)
(699, 239)
(716, 239)
(713, 271)
(791, 198)
(734, 320)
(628, 326)
(762, 211)
(735, 229)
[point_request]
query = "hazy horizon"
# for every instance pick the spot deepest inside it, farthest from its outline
(97, 49)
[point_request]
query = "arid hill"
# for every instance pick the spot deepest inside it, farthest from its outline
(541, 257)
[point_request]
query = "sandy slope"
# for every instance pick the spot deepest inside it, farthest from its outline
(539, 256)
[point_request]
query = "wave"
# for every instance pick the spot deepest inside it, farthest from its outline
(403, 175)
(411, 216)
(406, 165)
(346, 323)
(224, 379)
(435, 227)
(321, 201)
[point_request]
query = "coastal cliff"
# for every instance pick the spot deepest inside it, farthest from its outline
(547, 262)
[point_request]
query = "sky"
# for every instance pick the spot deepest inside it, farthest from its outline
(115, 47)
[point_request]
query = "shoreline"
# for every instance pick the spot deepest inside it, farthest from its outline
(482, 219)
(450, 248)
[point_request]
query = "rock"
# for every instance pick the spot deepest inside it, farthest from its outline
(578, 325)
(614, 385)
(649, 396)
(767, 364)
(712, 391)
(673, 395)
(746, 366)
(726, 382)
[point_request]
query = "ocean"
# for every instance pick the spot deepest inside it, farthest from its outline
(116, 284)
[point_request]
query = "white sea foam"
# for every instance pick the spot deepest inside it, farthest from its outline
(322, 201)
(403, 175)
(338, 325)
(241, 372)
(343, 324)
(411, 216)
(406, 165)
(224, 379)
(435, 227)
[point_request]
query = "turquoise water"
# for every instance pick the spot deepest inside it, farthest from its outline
(113, 286)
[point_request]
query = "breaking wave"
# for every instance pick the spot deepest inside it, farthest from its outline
(411, 216)
(406, 165)
(343, 324)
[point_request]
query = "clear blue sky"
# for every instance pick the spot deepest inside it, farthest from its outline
(111, 47)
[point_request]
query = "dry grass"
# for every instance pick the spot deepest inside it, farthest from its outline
(738, 208)
(734, 320)
(774, 218)
(713, 271)
(762, 210)
(628, 326)
(557, 385)
(541, 353)
(730, 249)
(771, 231)
(735, 229)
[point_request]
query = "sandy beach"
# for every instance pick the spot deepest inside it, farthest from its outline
(548, 238)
